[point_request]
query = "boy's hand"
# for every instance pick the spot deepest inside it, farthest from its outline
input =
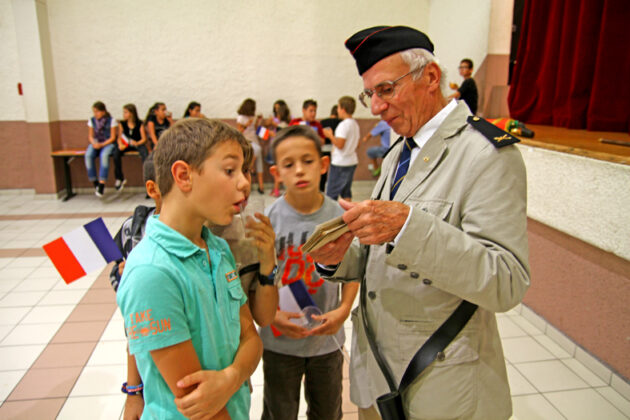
(328, 132)
(133, 407)
(121, 267)
(332, 321)
(214, 389)
(264, 240)
(282, 322)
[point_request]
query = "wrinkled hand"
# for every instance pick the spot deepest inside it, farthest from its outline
(214, 389)
(282, 322)
(333, 252)
(264, 240)
(133, 407)
(374, 222)
(332, 321)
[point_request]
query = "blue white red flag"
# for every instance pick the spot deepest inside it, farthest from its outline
(82, 250)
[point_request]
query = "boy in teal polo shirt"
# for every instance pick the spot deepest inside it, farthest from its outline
(181, 297)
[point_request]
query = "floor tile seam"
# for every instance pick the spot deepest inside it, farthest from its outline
(63, 216)
(554, 406)
(527, 380)
(539, 390)
(48, 344)
(607, 399)
(569, 390)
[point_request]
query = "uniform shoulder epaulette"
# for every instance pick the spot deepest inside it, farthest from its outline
(494, 134)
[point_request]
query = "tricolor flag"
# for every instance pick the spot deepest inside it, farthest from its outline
(83, 250)
(263, 133)
(293, 298)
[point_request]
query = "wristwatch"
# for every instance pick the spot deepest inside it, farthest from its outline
(269, 280)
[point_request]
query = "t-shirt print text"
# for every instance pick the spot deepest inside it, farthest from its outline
(142, 324)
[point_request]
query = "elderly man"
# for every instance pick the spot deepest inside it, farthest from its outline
(446, 223)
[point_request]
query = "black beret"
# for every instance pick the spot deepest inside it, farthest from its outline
(373, 44)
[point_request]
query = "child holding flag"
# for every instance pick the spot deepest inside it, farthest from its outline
(290, 350)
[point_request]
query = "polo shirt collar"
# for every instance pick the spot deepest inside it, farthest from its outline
(178, 244)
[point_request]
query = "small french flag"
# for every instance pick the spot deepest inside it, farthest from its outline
(82, 250)
(293, 298)
(263, 133)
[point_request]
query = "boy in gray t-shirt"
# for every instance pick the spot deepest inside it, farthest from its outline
(291, 351)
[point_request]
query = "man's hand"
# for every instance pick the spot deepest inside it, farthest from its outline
(332, 321)
(133, 407)
(374, 222)
(282, 321)
(264, 240)
(333, 252)
(214, 389)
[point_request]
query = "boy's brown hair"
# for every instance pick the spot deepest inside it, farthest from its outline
(191, 140)
(296, 131)
(348, 104)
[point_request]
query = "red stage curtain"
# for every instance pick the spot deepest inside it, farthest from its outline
(573, 65)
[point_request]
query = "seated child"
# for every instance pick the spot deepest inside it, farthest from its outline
(344, 158)
(382, 130)
(101, 136)
(298, 352)
(180, 295)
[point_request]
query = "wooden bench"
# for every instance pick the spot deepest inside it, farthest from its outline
(67, 156)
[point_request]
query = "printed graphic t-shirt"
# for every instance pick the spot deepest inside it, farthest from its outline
(292, 229)
(169, 293)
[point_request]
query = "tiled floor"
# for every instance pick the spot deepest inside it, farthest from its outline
(62, 347)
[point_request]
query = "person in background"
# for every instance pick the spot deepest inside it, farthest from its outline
(382, 130)
(246, 122)
(158, 120)
(281, 119)
(446, 224)
(467, 92)
(193, 110)
(331, 122)
(309, 115)
(344, 158)
(101, 135)
(131, 137)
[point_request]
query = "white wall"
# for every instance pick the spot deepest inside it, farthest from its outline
(585, 198)
(459, 29)
(11, 105)
(214, 52)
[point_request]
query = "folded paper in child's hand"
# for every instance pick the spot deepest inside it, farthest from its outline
(325, 233)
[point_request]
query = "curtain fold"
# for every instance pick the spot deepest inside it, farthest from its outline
(573, 65)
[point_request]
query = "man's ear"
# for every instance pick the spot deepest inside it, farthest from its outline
(273, 170)
(325, 164)
(182, 175)
(434, 73)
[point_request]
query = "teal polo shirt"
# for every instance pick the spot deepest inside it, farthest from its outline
(169, 294)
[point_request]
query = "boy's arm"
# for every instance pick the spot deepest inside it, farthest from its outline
(214, 388)
(134, 404)
(264, 302)
(334, 319)
(338, 142)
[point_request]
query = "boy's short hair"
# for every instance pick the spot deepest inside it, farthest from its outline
(296, 131)
(191, 140)
(333, 111)
(468, 62)
(308, 103)
(348, 104)
(148, 169)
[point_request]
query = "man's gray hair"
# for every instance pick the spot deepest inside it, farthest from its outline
(417, 58)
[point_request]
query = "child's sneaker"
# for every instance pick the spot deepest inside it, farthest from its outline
(120, 184)
(376, 172)
(99, 190)
(371, 167)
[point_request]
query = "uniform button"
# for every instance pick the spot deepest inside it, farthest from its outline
(440, 356)
(427, 282)
(402, 267)
(414, 275)
(372, 294)
(426, 158)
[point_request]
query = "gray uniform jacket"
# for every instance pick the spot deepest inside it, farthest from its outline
(466, 239)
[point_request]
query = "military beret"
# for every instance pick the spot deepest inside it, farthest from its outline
(373, 44)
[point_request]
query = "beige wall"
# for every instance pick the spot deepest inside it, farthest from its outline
(11, 106)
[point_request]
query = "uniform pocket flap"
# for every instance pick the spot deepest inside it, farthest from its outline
(235, 290)
(438, 208)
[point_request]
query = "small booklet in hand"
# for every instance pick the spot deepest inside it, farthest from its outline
(325, 233)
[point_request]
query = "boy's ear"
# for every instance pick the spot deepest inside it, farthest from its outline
(325, 164)
(152, 190)
(182, 175)
(273, 170)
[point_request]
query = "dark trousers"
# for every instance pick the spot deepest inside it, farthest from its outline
(322, 386)
(118, 154)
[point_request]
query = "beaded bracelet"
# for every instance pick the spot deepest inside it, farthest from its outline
(132, 389)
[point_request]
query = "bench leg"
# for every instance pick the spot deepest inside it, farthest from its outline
(68, 178)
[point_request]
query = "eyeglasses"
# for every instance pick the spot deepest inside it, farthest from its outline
(384, 90)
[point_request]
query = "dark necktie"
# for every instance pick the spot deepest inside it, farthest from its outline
(403, 165)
